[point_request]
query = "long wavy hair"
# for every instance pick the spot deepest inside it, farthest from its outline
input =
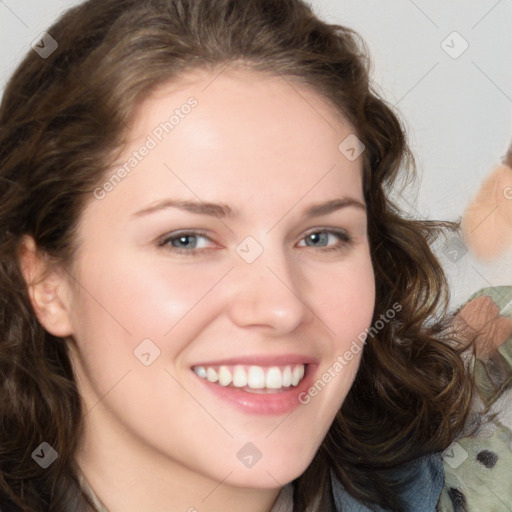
(63, 121)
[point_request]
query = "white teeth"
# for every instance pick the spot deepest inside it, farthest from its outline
(274, 379)
(287, 377)
(225, 377)
(253, 377)
(211, 375)
(239, 377)
(298, 373)
(256, 377)
(200, 370)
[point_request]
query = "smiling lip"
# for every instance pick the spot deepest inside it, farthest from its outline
(275, 403)
(280, 360)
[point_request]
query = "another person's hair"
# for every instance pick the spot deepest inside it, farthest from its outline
(63, 122)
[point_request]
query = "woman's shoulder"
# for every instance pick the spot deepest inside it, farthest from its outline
(478, 464)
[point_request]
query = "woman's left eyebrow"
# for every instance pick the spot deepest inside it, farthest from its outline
(223, 210)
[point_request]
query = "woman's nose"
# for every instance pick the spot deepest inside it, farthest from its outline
(269, 292)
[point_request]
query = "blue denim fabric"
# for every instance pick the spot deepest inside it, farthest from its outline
(421, 495)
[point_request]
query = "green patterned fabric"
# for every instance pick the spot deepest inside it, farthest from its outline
(478, 466)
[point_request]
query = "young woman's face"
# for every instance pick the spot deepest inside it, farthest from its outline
(166, 296)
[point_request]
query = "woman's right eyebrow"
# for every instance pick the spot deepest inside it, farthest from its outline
(201, 208)
(223, 210)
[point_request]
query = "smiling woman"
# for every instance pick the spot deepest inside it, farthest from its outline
(241, 319)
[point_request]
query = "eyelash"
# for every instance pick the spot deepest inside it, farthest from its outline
(346, 241)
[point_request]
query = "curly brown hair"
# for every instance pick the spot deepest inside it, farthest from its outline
(64, 120)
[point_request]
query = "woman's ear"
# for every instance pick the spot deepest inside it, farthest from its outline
(47, 289)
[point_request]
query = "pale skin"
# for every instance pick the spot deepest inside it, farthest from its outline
(155, 438)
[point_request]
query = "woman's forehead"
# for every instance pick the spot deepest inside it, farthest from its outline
(239, 97)
(238, 135)
(253, 142)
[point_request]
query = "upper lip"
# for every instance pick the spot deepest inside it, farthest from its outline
(262, 360)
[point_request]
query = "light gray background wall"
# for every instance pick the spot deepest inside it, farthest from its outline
(457, 108)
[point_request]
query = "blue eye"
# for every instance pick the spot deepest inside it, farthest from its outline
(186, 241)
(323, 235)
(182, 243)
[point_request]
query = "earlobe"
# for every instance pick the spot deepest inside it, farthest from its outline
(46, 289)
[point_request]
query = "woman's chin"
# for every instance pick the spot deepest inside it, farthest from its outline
(272, 475)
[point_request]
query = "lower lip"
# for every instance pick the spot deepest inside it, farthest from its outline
(280, 402)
